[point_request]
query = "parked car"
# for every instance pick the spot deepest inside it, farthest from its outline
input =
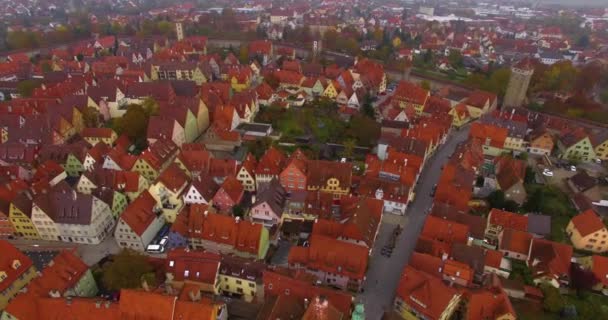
(155, 248)
(572, 168)
(548, 173)
(433, 190)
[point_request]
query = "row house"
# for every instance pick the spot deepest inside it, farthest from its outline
(70, 156)
(262, 49)
(576, 144)
(20, 216)
(330, 177)
(516, 130)
(359, 224)
(455, 186)
(333, 262)
(168, 191)
(155, 159)
(185, 267)
(451, 271)
(165, 128)
(241, 277)
(499, 220)
(16, 271)
(246, 173)
(438, 236)
(269, 204)
(229, 195)
(301, 292)
(410, 95)
(492, 137)
(269, 166)
(293, 176)
(131, 184)
(201, 190)
(204, 229)
(180, 71)
(95, 156)
(63, 214)
(600, 144)
(139, 223)
(421, 295)
(64, 276)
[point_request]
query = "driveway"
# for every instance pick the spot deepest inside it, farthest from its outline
(384, 273)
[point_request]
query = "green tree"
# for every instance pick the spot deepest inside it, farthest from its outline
(150, 106)
(25, 88)
(91, 117)
(349, 148)
(134, 123)
(126, 270)
(364, 130)
(553, 301)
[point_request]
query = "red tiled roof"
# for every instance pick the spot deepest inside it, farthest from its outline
(63, 274)
(271, 163)
(489, 304)
(509, 171)
(508, 219)
(195, 266)
(459, 270)
(483, 132)
(333, 256)
(427, 294)
(548, 258)
(173, 178)
(233, 188)
(362, 221)
(9, 255)
(599, 267)
(445, 230)
(303, 286)
(410, 93)
(587, 222)
(140, 213)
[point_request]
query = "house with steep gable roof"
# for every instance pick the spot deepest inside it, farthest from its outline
(139, 223)
(420, 294)
(168, 191)
(269, 204)
(16, 271)
(229, 195)
(550, 262)
(588, 232)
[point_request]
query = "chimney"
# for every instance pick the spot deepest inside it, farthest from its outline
(54, 294)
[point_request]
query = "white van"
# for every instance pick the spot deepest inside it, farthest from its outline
(155, 248)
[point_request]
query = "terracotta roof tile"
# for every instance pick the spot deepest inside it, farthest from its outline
(508, 219)
(587, 222)
(140, 213)
(331, 255)
(427, 294)
(10, 254)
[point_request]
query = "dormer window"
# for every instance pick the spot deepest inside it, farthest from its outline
(16, 264)
(3, 276)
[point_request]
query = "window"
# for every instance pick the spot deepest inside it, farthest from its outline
(251, 285)
(186, 273)
(239, 282)
(239, 290)
(171, 263)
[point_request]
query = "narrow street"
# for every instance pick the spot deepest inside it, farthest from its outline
(384, 273)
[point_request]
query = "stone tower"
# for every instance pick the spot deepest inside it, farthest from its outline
(521, 73)
(179, 31)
